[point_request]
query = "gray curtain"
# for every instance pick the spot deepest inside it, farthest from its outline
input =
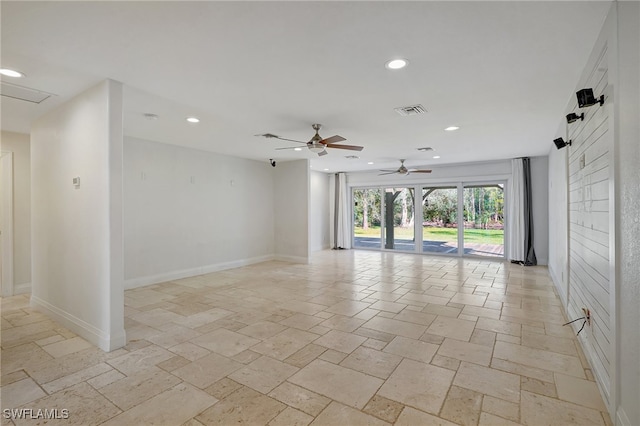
(520, 214)
(529, 252)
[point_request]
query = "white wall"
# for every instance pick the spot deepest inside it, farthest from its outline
(540, 207)
(292, 204)
(590, 279)
(189, 212)
(604, 230)
(627, 216)
(319, 214)
(590, 166)
(20, 146)
(77, 273)
(558, 221)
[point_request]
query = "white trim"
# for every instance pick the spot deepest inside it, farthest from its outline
(95, 336)
(324, 246)
(612, 105)
(292, 259)
(557, 283)
(22, 288)
(7, 223)
(415, 180)
(185, 273)
(603, 380)
(622, 418)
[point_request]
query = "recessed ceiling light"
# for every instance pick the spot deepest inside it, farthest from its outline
(436, 156)
(193, 120)
(11, 73)
(451, 128)
(297, 149)
(396, 64)
(370, 162)
(326, 170)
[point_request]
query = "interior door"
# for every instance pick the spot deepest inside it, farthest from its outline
(6, 223)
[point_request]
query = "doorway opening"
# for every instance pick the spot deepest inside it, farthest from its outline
(6, 224)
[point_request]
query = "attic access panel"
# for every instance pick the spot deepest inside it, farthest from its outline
(23, 93)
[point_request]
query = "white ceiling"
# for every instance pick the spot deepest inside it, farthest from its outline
(502, 71)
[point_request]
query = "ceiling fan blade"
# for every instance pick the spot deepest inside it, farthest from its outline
(272, 136)
(333, 139)
(349, 147)
(289, 140)
(420, 171)
(388, 173)
(321, 153)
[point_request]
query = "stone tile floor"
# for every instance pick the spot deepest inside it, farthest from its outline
(356, 337)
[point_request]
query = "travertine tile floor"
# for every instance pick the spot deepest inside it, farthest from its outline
(356, 337)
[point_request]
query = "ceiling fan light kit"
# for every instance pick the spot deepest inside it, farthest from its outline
(316, 148)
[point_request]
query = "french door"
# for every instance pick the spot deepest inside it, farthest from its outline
(456, 219)
(399, 219)
(440, 220)
(483, 232)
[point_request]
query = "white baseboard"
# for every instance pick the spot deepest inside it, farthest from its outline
(292, 259)
(106, 342)
(22, 288)
(192, 272)
(600, 374)
(557, 283)
(622, 420)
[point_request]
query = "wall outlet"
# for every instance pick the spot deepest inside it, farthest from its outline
(587, 316)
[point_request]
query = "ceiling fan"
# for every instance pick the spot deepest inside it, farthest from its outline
(402, 170)
(316, 144)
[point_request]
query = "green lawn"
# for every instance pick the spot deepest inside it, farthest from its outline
(430, 233)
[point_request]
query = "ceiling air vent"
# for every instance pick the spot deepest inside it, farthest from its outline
(410, 110)
(23, 93)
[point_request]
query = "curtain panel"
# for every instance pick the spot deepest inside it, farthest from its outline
(520, 214)
(339, 209)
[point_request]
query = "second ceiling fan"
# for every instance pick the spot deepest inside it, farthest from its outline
(317, 144)
(402, 170)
